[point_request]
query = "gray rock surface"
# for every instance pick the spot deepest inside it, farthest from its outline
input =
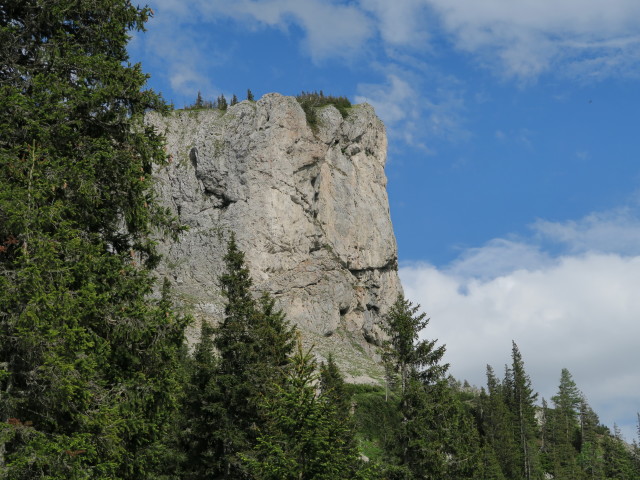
(308, 208)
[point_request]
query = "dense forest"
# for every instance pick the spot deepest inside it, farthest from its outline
(96, 379)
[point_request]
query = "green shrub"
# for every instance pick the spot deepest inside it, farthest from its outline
(310, 101)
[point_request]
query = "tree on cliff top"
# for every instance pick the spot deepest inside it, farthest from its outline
(88, 363)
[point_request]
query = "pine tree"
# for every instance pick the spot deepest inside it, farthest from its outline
(332, 387)
(89, 377)
(250, 95)
(200, 414)
(618, 460)
(234, 100)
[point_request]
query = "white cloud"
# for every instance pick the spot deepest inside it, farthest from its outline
(529, 37)
(402, 22)
(613, 231)
(409, 115)
(331, 29)
(577, 310)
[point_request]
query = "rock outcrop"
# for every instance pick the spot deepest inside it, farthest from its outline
(308, 207)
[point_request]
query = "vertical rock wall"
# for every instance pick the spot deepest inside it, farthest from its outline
(308, 208)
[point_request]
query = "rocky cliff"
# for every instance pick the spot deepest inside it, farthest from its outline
(308, 207)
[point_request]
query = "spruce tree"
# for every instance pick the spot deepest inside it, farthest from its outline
(564, 428)
(304, 434)
(591, 457)
(496, 422)
(409, 356)
(437, 438)
(89, 378)
(253, 342)
(520, 399)
(222, 102)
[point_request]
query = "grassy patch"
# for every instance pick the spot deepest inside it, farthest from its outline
(311, 101)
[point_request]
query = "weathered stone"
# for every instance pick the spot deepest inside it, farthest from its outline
(308, 208)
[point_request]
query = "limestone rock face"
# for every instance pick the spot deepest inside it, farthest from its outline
(308, 208)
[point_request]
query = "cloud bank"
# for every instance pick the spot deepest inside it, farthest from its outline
(577, 309)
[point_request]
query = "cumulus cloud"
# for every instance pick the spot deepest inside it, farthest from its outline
(578, 309)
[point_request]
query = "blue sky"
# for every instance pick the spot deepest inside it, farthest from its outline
(513, 145)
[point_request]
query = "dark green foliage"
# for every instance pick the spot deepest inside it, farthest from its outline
(250, 96)
(407, 355)
(253, 343)
(495, 420)
(563, 430)
(220, 103)
(520, 399)
(90, 365)
(310, 101)
(199, 101)
(437, 437)
(377, 418)
(617, 457)
(332, 386)
(305, 435)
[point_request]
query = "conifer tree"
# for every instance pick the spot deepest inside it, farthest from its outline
(222, 102)
(617, 458)
(332, 386)
(520, 400)
(564, 428)
(234, 100)
(591, 457)
(250, 95)
(304, 435)
(253, 342)
(409, 356)
(89, 378)
(496, 424)
(437, 438)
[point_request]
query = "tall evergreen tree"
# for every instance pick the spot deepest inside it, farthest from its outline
(304, 435)
(89, 377)
(496, 422)
(437, 438)
(520, 399)
(253, 342)
(409, 356)
(564, 429)
(591, 457)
